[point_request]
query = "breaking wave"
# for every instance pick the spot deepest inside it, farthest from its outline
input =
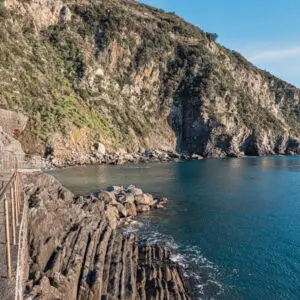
(201, 274)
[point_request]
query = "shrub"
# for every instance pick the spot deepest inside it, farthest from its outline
(212, 36)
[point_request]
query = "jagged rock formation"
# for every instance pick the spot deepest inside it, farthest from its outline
(75, 254)
(135, 78)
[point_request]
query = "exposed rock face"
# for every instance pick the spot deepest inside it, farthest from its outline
(10, 145)
(133, 78)
(10, 120)
(43, 13)
(76, 254)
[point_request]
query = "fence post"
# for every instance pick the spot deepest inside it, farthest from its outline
(18, 193)
(16, 203)
(7, 238)
(12, 193)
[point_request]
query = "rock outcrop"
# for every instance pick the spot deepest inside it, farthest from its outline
(75, 252)
(132, 78)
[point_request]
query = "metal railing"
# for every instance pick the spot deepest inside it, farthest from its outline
(8, 161)
(11, 161)
(11, 199)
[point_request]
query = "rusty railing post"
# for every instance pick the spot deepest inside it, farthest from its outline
(7, 239)
(13, 213)
(16, 203)
(18, 191)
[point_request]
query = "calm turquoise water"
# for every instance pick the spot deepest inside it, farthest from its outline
(235, 223)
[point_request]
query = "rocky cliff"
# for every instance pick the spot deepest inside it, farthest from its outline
(75, 251)
(134, 78)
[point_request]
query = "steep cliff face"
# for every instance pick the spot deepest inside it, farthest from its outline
(135, 78)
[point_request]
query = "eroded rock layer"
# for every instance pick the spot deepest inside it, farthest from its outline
(76, 254)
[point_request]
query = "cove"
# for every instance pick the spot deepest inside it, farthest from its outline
(233, 223)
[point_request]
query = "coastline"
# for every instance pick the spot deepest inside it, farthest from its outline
(95, 159)
(87, 159)
(70, 238)
(162, 222)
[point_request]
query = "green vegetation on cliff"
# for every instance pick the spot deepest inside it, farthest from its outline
(136, 77)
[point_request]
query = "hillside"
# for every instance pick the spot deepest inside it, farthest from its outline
(136, 78)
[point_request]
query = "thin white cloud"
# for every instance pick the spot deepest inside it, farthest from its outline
(279, 58)
(275, 54)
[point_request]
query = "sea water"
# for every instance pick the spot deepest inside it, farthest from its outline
(232, 224)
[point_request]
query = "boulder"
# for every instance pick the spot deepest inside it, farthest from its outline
(164, 199)
(47, 291)
(131, 209)
(145, 199)
(164, 156)
(134, 190)
(128, 157)
(122, 210)
(129, 198)
(116, 189)
(159, 206)
(120, 162)
(112, 216)
(107, 197)
(184, 157)
(148, 154)
(143, 159)
(174, 155)
(161, 203)
(101, 149)
(196, 157)
(65, 15)
(121, 197)
(142, 208)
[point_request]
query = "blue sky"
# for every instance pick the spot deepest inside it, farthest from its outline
(267, 32)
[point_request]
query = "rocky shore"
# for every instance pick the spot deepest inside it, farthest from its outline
(77, 252)
(116, 158)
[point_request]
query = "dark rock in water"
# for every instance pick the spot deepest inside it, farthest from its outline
(115, 189)
(76, 253)
(164, 199)
(174, 155)
(159, 206)
(185, 157)
(161, 203)
(148, 154)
